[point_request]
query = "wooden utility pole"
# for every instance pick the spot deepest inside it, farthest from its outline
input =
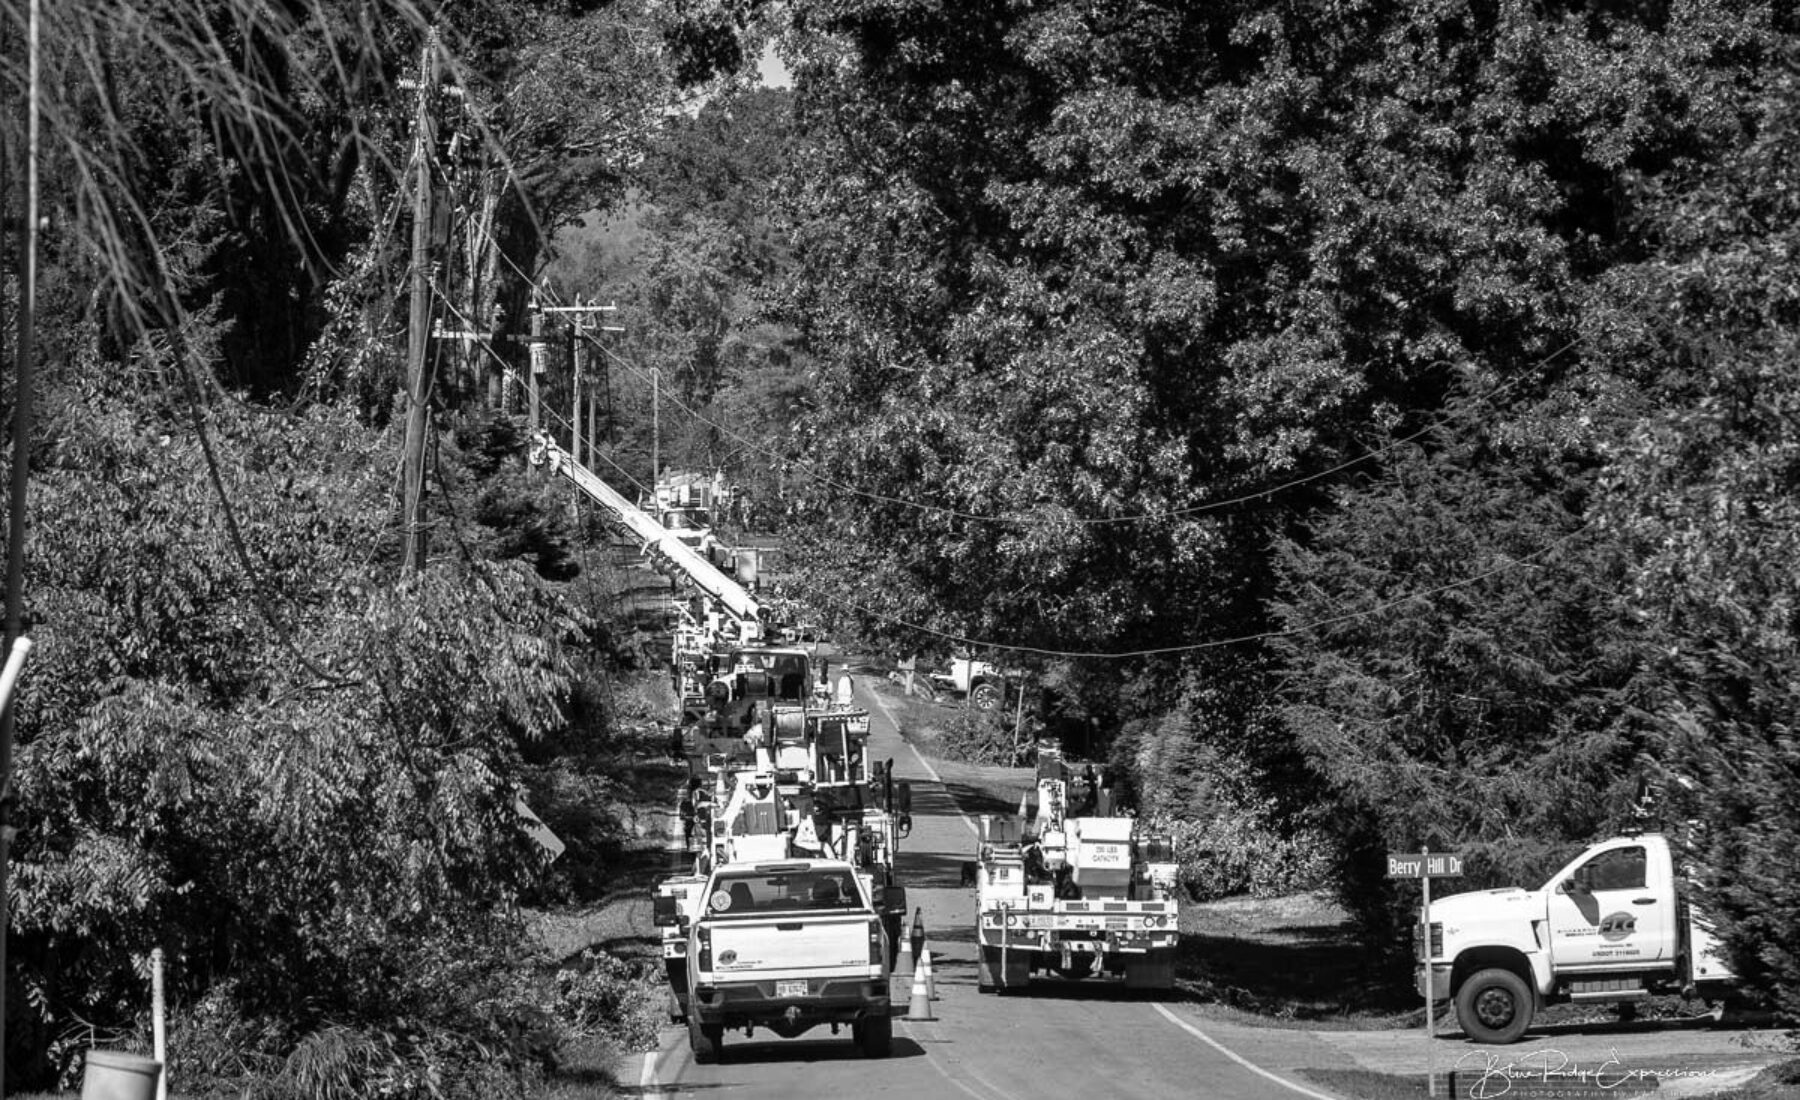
(579, 358)
(593, 457)
(655, 426)
(540, 352)
(418, 342)
(582, 325)
(16, 645)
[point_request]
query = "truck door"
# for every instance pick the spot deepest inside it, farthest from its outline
(1611, 911)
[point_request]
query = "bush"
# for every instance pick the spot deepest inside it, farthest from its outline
(607, 997)
(1240, 853)
(1230, 834)
(984, 737)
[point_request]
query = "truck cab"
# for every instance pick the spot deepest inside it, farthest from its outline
(1612, 925)
(788, 946)
(984, 684)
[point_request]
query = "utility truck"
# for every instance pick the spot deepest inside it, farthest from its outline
(1614, 925)
(1073, 887)
(779, 771)
(787, 946)
(983, 684)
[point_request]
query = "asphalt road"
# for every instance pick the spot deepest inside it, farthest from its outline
(1077, 1039)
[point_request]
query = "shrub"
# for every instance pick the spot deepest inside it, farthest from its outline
(985, 737)
(610, 998)
(1239, 852)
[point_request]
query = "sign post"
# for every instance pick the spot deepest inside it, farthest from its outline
(1425, 866)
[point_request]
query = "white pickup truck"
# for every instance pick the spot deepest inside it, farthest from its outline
(1613, 925)
(984, 684)
(787, 946)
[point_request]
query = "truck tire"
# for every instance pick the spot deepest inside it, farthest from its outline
(707, 1041)
(985, 695)
(1494, 1006)
(875, 1035)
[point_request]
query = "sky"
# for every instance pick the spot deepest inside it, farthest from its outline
(774, 73)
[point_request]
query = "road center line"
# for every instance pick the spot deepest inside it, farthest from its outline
(917, 755)
(1239, 1059)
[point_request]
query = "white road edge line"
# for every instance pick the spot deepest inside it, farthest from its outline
(917, 755)
(1238, 1058)
(647, 1080)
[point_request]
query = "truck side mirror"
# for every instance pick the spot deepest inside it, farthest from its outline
(1571, 885)
(906, 798)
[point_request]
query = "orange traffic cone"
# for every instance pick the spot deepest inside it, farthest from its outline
(930, 976)
(920, 1008)
(905, 959)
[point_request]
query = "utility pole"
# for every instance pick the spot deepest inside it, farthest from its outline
(418, 342)
(21, 467)
(593, 439)
(655, 425)
(582, 324)
(540, 353)
(579, 359)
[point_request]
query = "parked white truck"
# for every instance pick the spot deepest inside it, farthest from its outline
(787, 946)
(1614, 925)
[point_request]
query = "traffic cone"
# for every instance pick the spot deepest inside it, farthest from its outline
(920, 1008)
(915, 937)
(930, 977)
(905, 960)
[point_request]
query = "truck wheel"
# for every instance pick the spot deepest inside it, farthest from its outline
(1494, 1006)
(985, 695)
(877, 1036)
(1080, 966)
(707, 1041)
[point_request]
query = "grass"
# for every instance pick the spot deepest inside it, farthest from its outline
(1290, 961)
(587, 1073)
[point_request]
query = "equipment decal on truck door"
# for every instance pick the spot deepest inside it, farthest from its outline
(1606, 913)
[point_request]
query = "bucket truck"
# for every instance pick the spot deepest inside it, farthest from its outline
(1071, 887)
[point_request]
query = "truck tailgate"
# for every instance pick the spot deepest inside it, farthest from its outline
(799, 945)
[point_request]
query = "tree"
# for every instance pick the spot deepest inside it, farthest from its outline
(1701, 494)
(1457, 667)
(290, 780)
(1085, 284)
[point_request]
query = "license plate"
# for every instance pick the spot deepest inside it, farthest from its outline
(790, 989)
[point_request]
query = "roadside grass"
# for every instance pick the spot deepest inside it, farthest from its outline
(1287, 961)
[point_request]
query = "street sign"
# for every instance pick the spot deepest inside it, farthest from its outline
(1424, 865)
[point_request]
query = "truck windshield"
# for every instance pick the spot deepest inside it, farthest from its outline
(803, 891)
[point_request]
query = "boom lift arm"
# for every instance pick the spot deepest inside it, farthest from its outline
(733, 597)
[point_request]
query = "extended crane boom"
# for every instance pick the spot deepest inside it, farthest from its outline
(733, 597)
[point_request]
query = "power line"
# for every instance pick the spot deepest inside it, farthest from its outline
(1220, 643)
(1146, 517)
(547, 412)
(1246, 639)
